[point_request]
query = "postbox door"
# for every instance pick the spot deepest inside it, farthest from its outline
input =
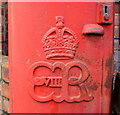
(60, 57)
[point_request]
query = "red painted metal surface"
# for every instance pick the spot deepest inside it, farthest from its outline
(60, 57)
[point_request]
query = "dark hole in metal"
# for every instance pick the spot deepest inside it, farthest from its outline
(106, 9)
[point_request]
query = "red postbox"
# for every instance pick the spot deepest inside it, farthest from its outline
(60, 57)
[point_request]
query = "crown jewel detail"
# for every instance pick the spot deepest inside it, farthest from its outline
(60, 42)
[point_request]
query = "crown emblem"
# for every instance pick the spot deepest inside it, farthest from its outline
(60, 42)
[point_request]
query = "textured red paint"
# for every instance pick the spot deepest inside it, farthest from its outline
(54, 67)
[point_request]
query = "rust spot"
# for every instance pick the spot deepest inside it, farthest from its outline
(109, 65)
(92, 84)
